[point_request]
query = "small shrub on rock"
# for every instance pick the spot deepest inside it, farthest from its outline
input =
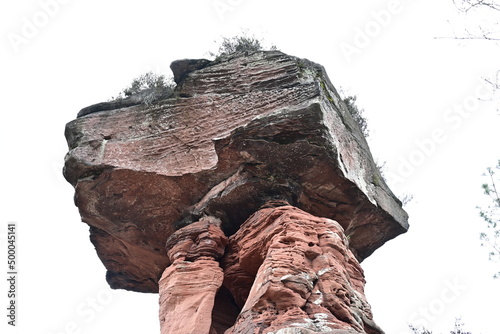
(239, 44)
(148, 88)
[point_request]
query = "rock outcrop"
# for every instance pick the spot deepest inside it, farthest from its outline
(197, 167)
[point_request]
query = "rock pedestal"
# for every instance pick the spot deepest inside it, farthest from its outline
(306, 278)
(188, 286)
(286, 270)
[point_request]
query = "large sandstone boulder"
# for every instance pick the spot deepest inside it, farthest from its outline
(238, 132)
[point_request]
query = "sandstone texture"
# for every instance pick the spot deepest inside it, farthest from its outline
(238, 132)
(283, 271)
(306, 280)
(188, 286)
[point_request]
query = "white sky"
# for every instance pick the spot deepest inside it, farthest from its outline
(410, 85)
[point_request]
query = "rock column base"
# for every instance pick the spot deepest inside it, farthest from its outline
(189, 285)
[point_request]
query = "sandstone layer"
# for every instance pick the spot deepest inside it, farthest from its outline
(238, 132)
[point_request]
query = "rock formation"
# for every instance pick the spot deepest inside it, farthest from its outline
(256, 151)
(305, 275)
(188, 287)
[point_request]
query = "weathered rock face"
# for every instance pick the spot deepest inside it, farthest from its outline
(284, 271)
(188, 287)
(239, 131)
(306, 278)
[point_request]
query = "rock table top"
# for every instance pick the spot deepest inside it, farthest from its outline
(239, 131)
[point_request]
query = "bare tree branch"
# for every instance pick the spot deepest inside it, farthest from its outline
(468, 5)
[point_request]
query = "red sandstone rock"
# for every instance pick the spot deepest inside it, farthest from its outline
(187, 296)
(239, 131)
(288, 272)
(189, 286)
(306, 278)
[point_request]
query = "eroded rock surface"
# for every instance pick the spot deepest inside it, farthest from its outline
(284, 271)
(188, 287)
(239, 131)
(306, 280)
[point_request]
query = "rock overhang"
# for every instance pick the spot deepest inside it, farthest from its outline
(241, 130)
